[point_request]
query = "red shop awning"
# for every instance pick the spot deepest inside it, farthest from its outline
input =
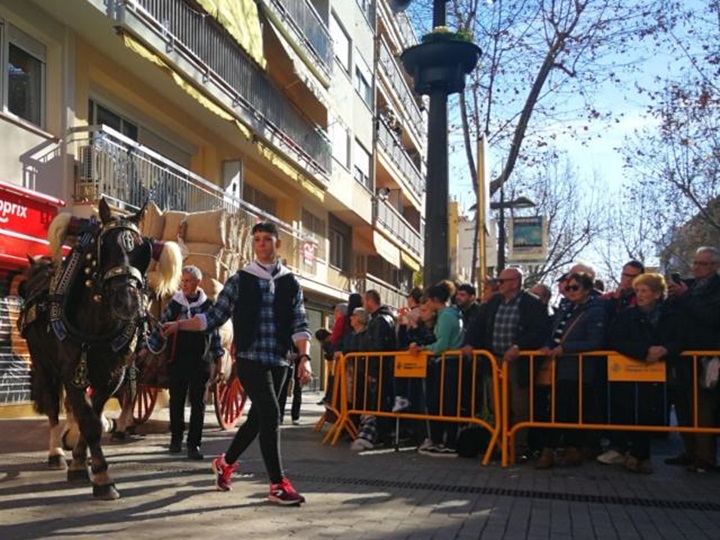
(25, 216)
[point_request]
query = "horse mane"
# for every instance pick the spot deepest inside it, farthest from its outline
(170, 269)
(57, 233)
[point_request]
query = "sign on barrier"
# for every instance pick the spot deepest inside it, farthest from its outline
(410, 365)
(623, 369)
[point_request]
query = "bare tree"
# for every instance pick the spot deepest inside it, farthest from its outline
(542, 62)
(574, 208)
(675, 161)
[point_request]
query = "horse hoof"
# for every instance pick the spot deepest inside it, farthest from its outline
(113, 426)
(105, 493)
(78, 476)
(118, 436)
(57, 462)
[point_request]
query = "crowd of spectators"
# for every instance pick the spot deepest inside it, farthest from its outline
(646, 318)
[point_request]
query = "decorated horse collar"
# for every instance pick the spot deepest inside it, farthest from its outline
(86, 253)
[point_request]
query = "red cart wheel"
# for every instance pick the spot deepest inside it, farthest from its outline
(144, 403)
(229, 402)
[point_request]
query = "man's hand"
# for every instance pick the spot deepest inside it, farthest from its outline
(677, 289)
(305, 375)
(414, 348)
(169, 328)
(555, 352)
(511, 353)
(467, 350)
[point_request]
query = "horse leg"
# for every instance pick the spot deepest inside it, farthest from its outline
(103, 486)
(78, 471)
(125, 422)
(70, 432)
(56, 455)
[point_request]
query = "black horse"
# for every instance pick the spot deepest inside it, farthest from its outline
(82, 320)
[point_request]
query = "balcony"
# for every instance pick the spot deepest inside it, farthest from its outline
(389, 295)
(222, 65)
(412, 117)
(405, 166)
(398, 227)
(301, 20)
(110, 165)
(397, 24)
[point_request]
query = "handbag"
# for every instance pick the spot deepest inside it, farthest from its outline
(543, 377)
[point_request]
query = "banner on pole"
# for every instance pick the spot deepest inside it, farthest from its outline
(528, 239)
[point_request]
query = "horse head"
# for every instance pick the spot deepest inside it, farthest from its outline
(116, 266)
(122, 259)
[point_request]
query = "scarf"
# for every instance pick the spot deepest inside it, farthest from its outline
(269, 273)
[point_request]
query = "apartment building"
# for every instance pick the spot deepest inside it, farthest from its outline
(296, 111)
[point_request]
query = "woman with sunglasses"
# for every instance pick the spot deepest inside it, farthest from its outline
(578, 327)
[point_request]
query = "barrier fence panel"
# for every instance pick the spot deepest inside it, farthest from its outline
(454, 385)
(610, 368)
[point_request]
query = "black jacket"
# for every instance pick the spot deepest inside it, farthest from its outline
(632, 334)
(381, 330)
(532, 329)
(701, 315)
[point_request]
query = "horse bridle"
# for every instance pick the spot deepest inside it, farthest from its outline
(122, 269)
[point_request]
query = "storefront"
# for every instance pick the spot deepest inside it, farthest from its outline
(24, 219)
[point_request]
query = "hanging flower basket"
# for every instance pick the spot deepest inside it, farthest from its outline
(441, 61)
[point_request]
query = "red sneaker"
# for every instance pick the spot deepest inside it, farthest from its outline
(223, 473)
(285, 494)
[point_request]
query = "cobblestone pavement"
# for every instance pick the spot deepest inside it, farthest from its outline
(381, 494)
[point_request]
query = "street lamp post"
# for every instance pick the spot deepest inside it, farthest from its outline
(438, 67)
(520, 202)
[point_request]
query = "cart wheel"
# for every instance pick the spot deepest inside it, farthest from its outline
(144, 403)
(229, 402)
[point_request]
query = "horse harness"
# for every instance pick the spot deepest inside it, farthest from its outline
(53, 297)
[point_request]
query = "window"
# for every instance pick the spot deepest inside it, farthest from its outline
(368, 10)
(341, 43)
(100, 115)
(363, 81)
(339, 235)
(361, 170)
(24, 84)
(315, 227)
(259, 199)
(340, 140)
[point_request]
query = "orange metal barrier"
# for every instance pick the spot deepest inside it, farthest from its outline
(635, 371)
(362, 383)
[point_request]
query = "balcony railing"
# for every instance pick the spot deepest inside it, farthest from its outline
(414, 118)
(410, 174)
(388, 294)
(206, 45)
(309, 29)
(391, 219)
(405, 29)
(111, 165)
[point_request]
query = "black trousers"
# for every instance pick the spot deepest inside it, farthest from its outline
(567, 401)
(263, 384)
(187, 381)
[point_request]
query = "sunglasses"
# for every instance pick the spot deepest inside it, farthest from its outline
(573, 288)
